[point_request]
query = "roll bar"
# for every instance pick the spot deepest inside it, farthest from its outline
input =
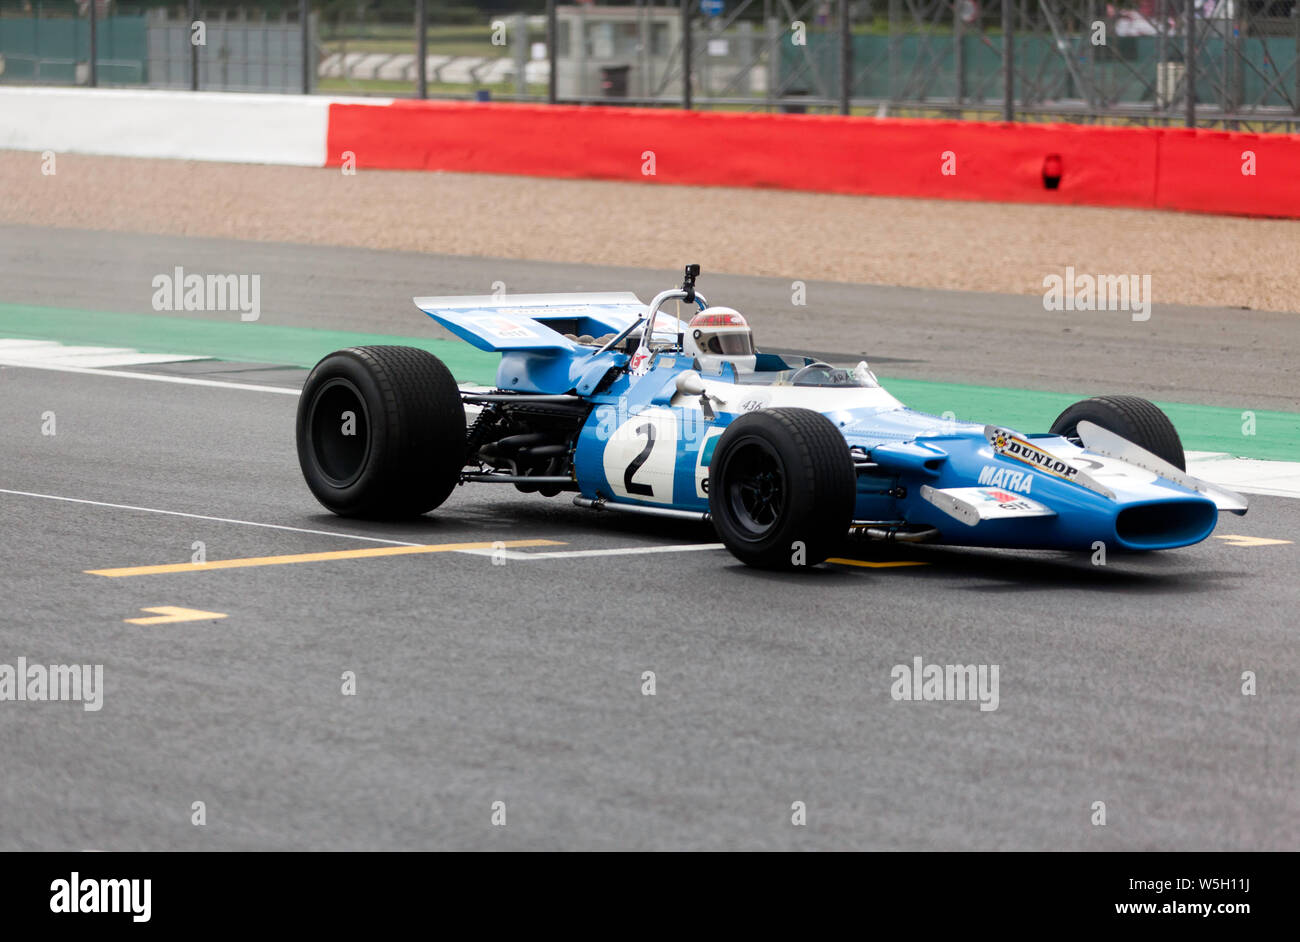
(686, 292)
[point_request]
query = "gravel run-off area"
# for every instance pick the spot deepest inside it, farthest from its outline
(994, 247)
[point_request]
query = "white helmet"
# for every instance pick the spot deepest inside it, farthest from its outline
(717, 335)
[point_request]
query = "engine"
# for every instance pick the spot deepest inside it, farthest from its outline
(528, 439)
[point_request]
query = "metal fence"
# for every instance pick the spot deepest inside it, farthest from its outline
(268, 48)
(242, 51)
(1227, 63)
(1224, 63)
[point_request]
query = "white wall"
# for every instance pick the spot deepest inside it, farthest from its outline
(240, 128)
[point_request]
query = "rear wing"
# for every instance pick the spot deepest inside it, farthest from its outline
(536, 322)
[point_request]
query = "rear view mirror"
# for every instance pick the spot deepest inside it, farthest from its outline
(690, 384)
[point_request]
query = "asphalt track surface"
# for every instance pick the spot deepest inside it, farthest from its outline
(522, 682)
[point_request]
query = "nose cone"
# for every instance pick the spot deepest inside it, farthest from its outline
(1165, 524)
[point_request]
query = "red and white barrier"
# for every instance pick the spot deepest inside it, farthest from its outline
(1146, 168)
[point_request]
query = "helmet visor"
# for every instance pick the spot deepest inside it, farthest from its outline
(738, 343)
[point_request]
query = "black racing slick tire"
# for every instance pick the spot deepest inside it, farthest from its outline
(381, 432)
(1131, 417)
(782, 488)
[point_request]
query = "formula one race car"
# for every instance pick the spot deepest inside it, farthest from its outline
(634, 410)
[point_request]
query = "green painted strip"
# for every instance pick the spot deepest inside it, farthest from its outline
(253, 342)
(1203, 428)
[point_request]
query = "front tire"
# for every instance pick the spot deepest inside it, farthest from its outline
(782, 488)
(1131, 417)
(381, 432)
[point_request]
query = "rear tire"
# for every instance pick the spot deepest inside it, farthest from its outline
(1131, 417)
(381, 432)
(780, 478)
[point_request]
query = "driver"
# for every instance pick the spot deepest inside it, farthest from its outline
(717, 335)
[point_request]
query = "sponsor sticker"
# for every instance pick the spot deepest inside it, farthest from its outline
(551, 311)
(1007, 501)
(640, 363)
(1010, 445)
(1009, 478)
(503, 327)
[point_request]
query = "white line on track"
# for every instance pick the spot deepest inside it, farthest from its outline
(151, 377)
(580, 554)
(179, 380)
(177, 513)
(53, 353)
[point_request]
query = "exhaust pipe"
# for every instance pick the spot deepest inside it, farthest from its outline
(602, 504)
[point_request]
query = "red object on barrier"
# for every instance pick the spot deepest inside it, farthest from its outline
(963, 160)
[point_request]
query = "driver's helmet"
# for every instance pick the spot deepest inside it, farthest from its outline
(719, 334)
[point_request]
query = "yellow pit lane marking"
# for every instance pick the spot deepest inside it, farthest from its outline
(882, 564)
(1234, 539)
(168, 614)
(315, 557)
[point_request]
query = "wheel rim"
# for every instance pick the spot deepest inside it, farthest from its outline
(341, 457)
(756, 487)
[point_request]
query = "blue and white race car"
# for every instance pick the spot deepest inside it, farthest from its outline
(632, 409)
